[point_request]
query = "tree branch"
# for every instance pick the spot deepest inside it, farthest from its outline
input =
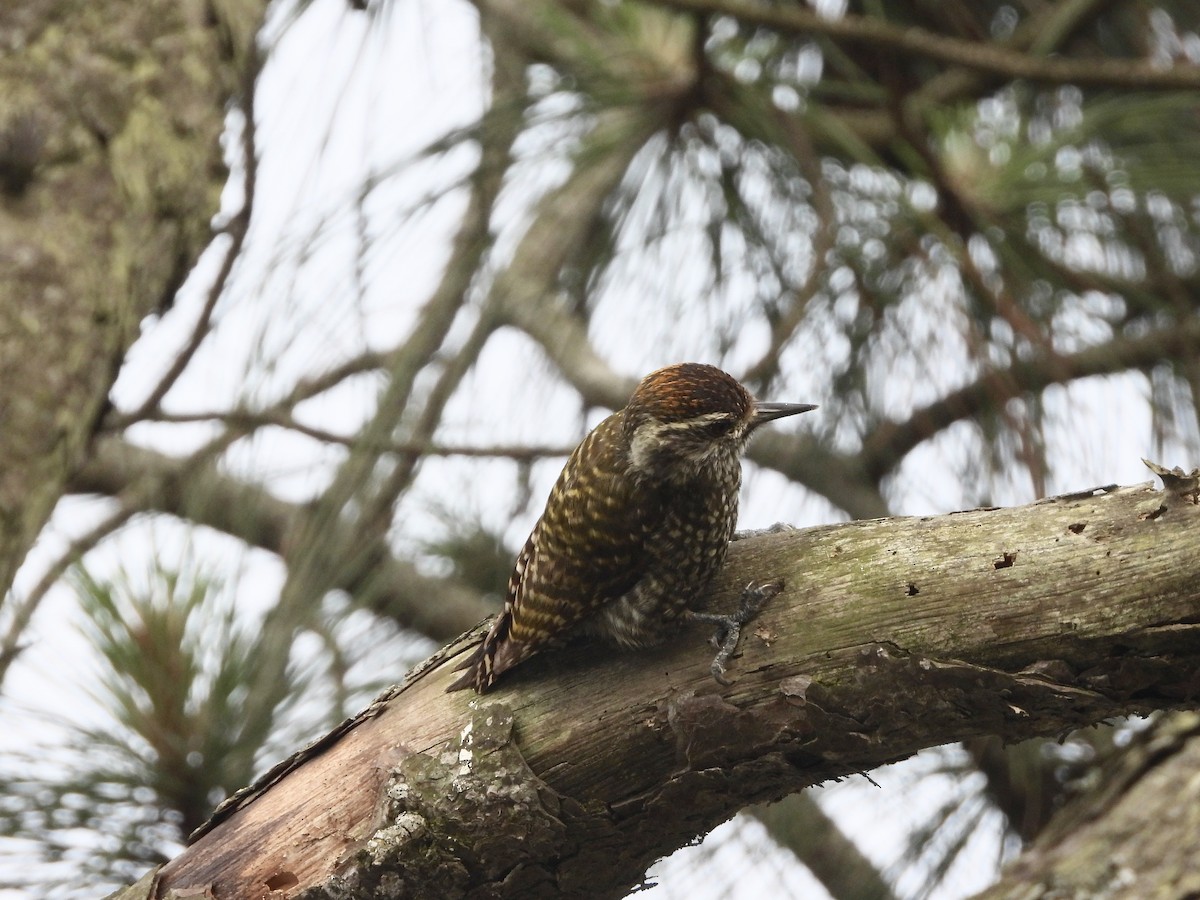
(23, 608)
(154, 482)
(250, 420)
(972, 55)
(585, 766)
(891, 441)
(115, 209)
(799, 824)
(314, 564)
(237, 229)
(1100, 844)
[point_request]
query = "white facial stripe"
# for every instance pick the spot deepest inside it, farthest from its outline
(698, 421)
(649, 438)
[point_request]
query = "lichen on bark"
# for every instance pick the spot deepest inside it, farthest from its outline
(118, 111)
(457, 821)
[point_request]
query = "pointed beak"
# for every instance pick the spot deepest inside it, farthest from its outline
(769, 412)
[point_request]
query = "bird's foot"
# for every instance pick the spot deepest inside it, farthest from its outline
(777, 528)
(729, 627)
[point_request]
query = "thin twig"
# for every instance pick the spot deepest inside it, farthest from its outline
(246, 422)
(237, 229)
(23, 611)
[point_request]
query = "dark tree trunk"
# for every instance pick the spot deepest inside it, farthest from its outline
(110, 173)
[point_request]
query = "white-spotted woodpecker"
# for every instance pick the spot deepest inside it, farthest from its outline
(636, 526)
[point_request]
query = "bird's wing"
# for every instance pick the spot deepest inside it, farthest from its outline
(587, 550)
(589, 546)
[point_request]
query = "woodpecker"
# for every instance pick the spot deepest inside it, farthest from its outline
(636, 526)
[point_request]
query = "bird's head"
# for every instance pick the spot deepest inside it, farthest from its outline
(690, 415)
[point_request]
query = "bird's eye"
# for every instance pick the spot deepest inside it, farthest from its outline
(718, 427)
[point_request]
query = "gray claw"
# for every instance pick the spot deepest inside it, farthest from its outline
(729, 627)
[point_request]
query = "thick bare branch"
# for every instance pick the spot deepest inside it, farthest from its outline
(585, 766)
